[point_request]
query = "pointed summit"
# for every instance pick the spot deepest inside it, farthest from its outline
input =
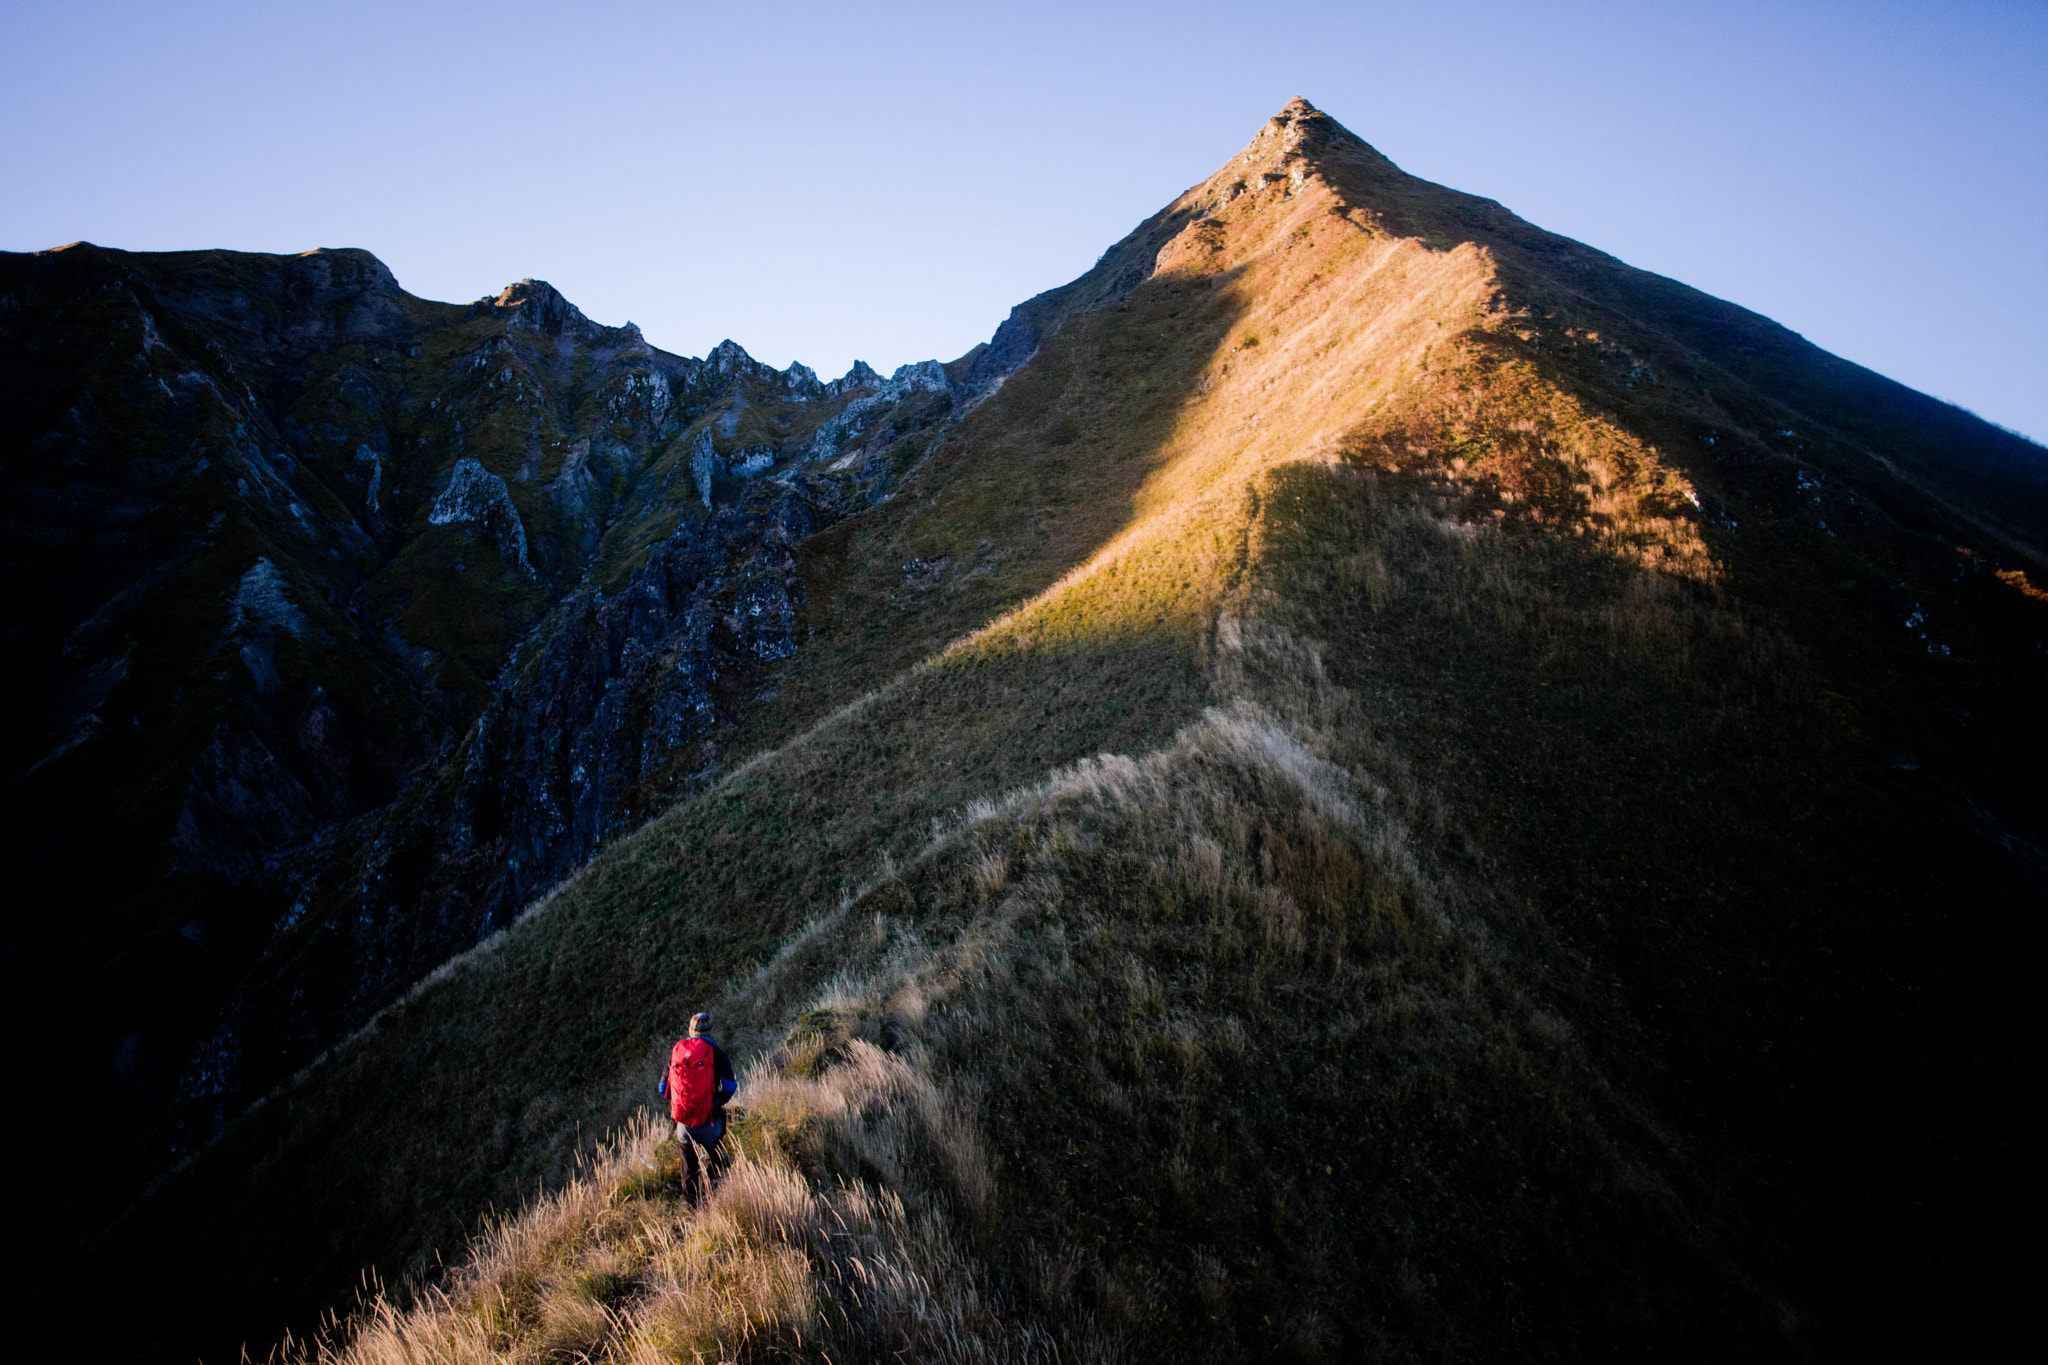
(1299, 111)
(1292, 145)
(541, 307)
(1291, 150)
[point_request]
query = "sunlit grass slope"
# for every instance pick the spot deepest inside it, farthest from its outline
(1196, 1055)
(1505, 929)
(1105, 491)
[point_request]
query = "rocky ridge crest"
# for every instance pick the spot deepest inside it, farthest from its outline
(394, 610)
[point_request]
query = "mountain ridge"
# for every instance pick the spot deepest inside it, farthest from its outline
(380, 536)
(1257, 425)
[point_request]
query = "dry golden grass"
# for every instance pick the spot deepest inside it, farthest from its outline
(1333, 340)
(1162, 391)
(1199, 929)
(615, 1266)
(1109, 948)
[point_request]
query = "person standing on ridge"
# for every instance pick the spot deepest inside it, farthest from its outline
(699, 1084)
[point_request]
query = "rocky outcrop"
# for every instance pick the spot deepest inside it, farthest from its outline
(1013, 344)
(537, 306)
(704, 466)
(475, 496)
(252, 497)
(617, 705)
(909, 380)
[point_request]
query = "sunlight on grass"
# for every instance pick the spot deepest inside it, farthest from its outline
(1202, 709)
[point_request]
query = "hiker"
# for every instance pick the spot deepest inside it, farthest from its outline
(699, 1084)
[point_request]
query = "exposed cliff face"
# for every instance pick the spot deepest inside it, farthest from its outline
(378, 614)
(614, 706)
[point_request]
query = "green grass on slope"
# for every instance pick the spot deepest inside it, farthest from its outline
(472, 1094)
(393, 1154)
(1033, 481)
(1796, 949)
(1255, 1083)
(1643, 1002)
(1514, 992)
(1197, 1056)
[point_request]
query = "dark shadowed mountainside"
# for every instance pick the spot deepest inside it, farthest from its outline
(345, 624)
(1364, 779)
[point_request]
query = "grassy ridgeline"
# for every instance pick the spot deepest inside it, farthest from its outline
(1223, 1051)
(1182, 1055)
(1312, 1032)
(493, 1077)
(1547, 956)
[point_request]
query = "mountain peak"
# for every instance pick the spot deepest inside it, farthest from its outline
(1326, 497)
(541, 307)
(1301, 128)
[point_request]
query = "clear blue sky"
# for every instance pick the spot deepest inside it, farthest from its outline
(821, 182)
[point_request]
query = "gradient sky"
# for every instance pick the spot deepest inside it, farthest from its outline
(821, 182)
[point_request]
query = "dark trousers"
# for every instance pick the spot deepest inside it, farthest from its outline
(703, 1156)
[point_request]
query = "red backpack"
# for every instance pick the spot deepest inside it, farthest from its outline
(692, 1082)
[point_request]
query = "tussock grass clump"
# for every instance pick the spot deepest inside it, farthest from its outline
(1258, 1078)
(772, 1263)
